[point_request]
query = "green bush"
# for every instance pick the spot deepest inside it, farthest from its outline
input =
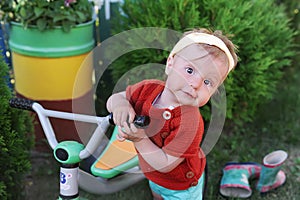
(175, 15)
(259, 28)
(15, 142)
(262, 31)
(293, 11)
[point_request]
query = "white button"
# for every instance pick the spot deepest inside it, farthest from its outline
(167, 115)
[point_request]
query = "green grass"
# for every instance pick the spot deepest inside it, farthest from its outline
(276, 127)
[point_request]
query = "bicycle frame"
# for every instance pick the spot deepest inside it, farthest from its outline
(70, 153)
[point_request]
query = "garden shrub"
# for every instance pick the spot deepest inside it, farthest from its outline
(149, 18)
(262, 31)
(293, 11)
(259, 28)
(15, 142)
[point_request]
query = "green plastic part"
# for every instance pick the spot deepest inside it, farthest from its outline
(67, 152)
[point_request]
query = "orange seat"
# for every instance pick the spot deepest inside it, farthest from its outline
(116, 154)
(116, 158)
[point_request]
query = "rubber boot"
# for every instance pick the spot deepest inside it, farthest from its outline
(235, 179)
(271, 176)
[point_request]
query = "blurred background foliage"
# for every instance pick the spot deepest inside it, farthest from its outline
(16, 140)
(262, 30)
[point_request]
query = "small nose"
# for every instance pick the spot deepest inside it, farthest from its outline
(196, 82)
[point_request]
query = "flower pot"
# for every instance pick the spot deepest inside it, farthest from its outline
(46, 69)
(52, 43)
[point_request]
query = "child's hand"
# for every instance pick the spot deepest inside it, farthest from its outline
(121, 108)
(123, 114)
(130, 132)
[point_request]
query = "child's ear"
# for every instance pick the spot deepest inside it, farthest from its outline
(169, 64)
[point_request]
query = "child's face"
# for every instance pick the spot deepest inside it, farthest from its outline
(192, 82)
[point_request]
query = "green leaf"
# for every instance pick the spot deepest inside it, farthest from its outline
(41, 24)
(38, 11)
(23, 12)
(58, 18)
(66, 26)
(81, 16)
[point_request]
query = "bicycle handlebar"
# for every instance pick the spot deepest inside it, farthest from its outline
(24, 104)
(94, 141)
(139, 121)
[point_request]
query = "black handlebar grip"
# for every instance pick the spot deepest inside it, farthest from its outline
(24, 104)
(139, 121)
(111, 119)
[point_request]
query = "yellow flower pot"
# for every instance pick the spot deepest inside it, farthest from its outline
(48, 69)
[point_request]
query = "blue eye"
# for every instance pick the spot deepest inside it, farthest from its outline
(207, 82)
(189, 70)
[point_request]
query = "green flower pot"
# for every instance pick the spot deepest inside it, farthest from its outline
(53, 42)
(48, 68)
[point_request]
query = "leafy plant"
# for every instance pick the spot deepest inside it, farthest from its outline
(176, 15)
(15, 142)
(265, 42)
(48, 14)
(260, 28)
(6, 10)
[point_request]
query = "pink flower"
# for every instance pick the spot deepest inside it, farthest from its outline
(68, 2)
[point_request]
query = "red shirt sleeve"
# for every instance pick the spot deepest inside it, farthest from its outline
(138, 93)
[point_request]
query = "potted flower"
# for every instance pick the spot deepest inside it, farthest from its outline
(48, 14)
(55, 16)
(49, 40)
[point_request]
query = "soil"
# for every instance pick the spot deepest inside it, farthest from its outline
(43, 180)
(42, 183)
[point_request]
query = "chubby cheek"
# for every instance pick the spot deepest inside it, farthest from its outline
(203, 98)
(177, 82)
(202, 102)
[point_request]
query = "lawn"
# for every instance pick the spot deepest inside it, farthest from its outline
(276, 127)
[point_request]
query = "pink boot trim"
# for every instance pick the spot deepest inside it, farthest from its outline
(279, 181)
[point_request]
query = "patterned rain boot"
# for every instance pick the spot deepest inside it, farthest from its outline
(235, 179)
(271, 176)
